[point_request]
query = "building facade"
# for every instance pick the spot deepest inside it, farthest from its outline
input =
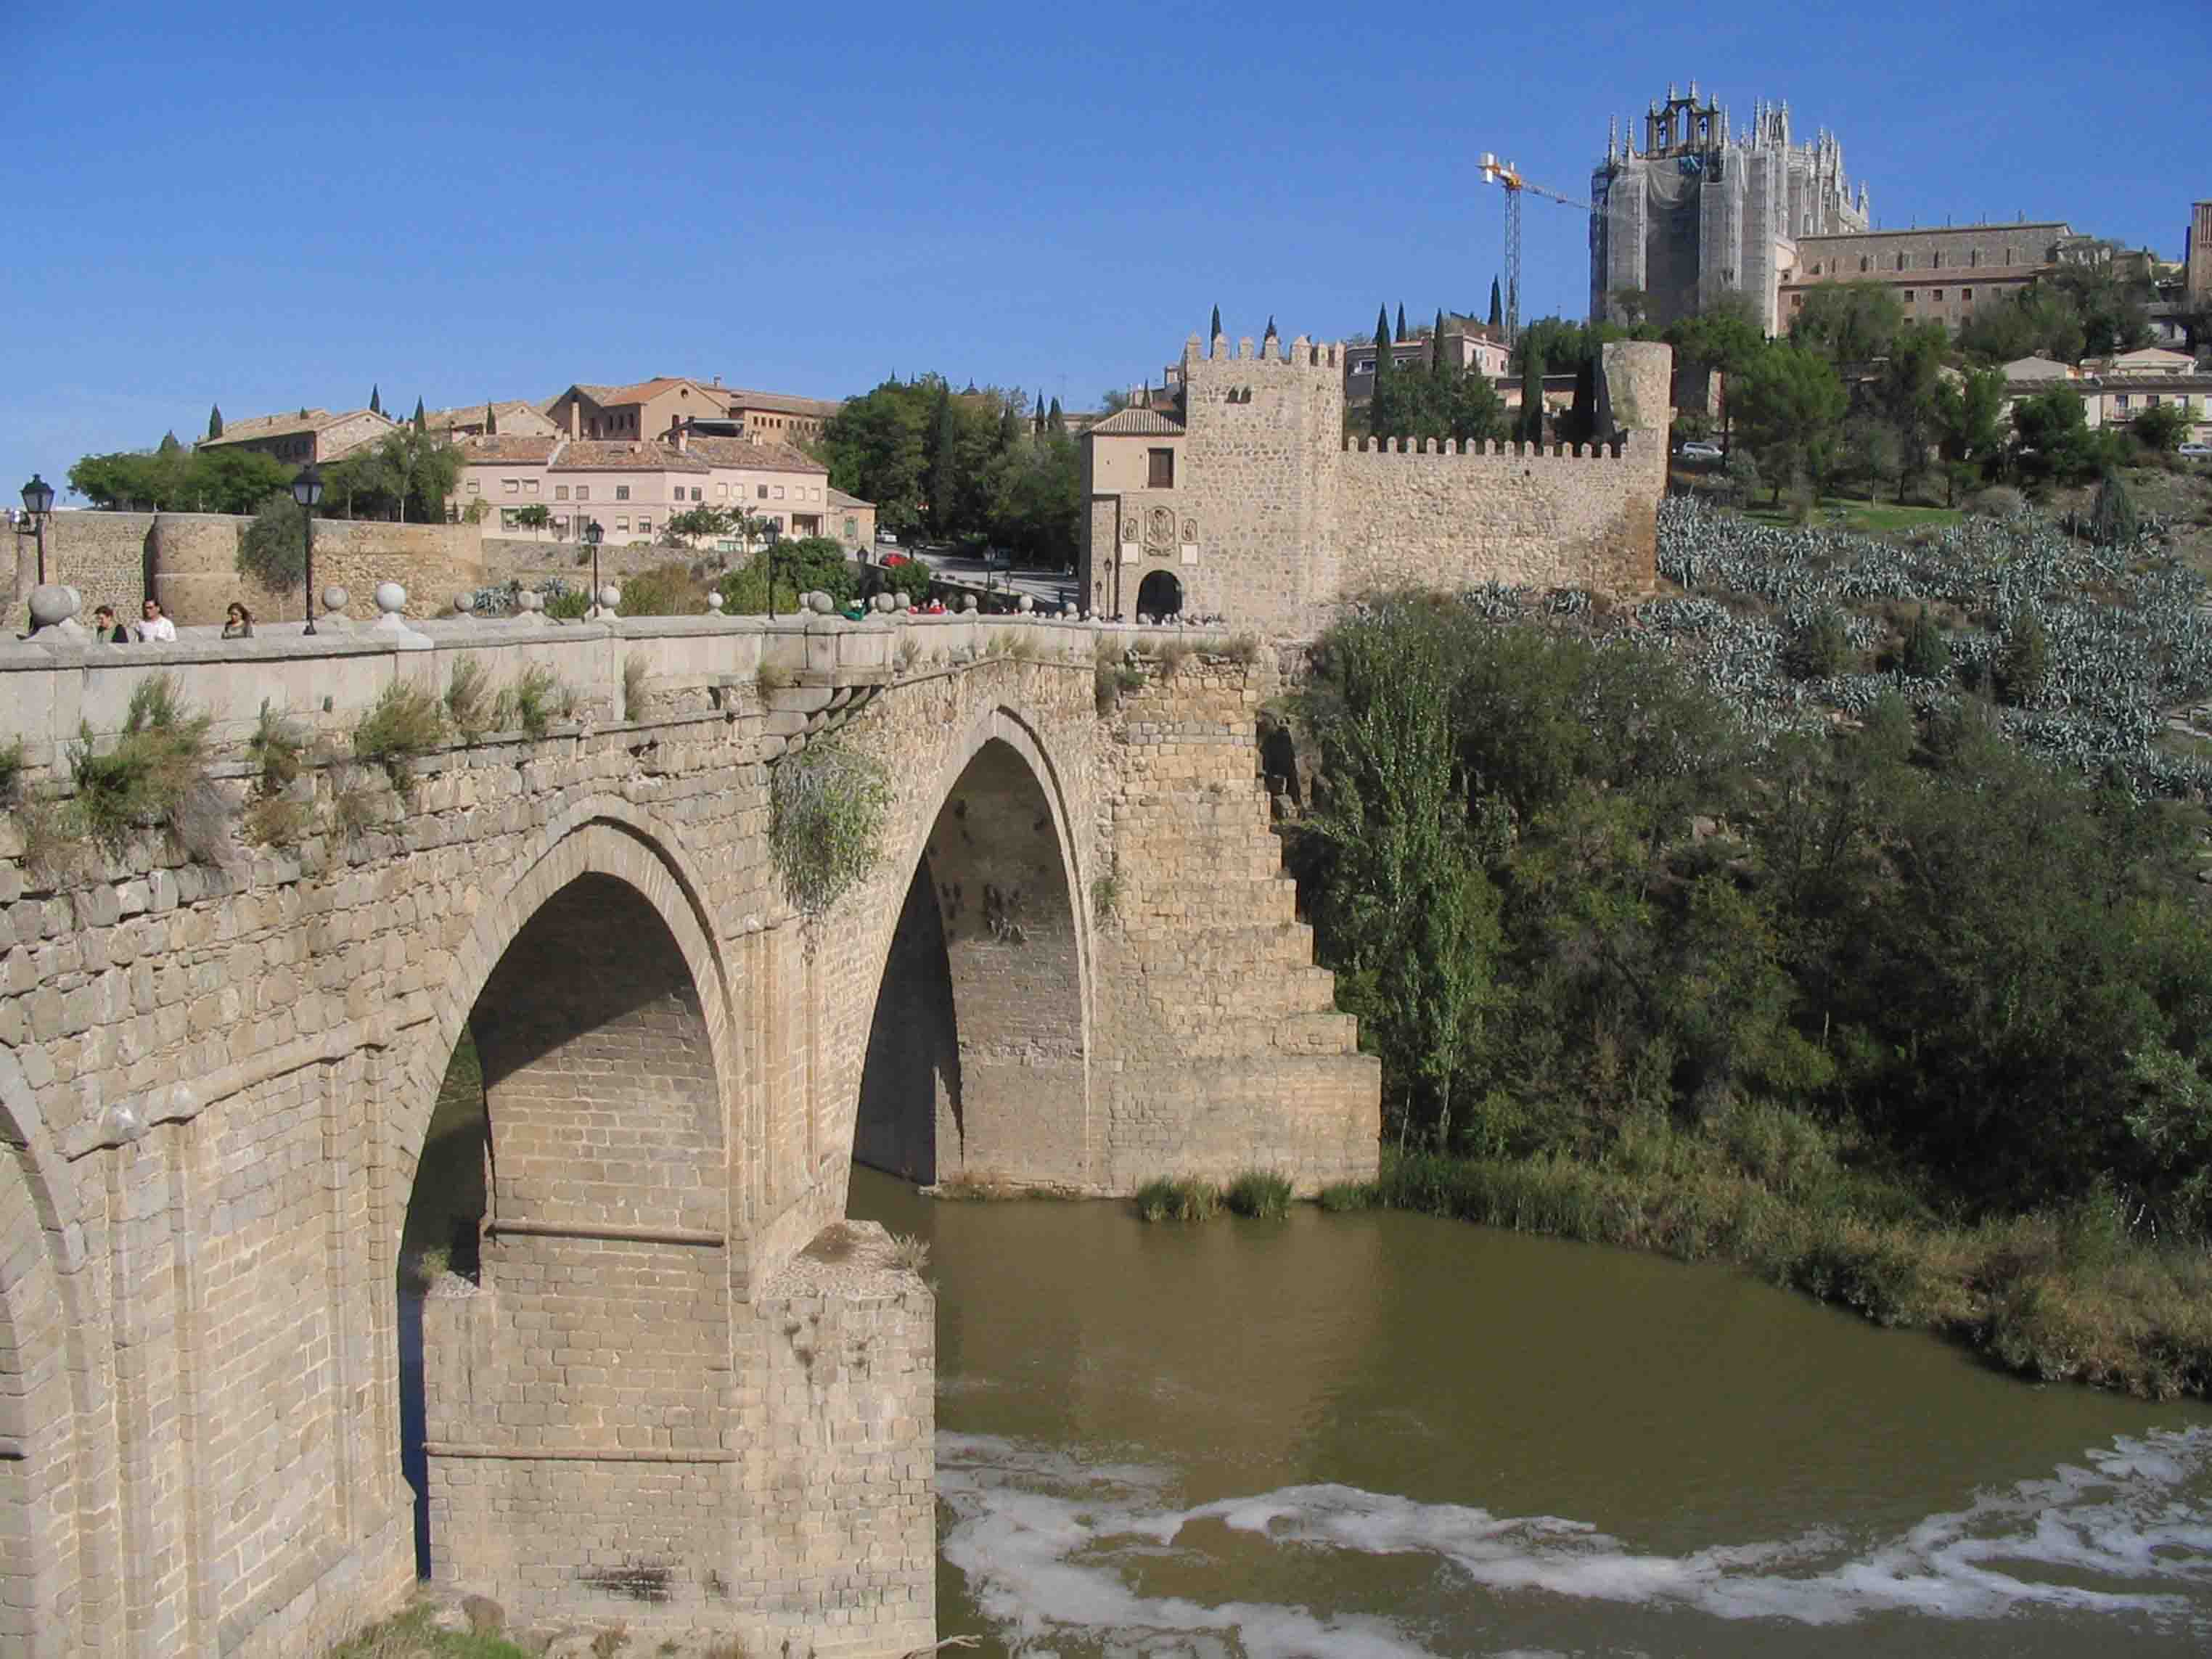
(632, 489)
(1700, 210)
(1468, 345)
(1938, 274)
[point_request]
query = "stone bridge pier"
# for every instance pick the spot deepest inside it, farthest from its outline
(658, 1379)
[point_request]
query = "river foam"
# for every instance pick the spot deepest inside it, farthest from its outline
(1048, 1545)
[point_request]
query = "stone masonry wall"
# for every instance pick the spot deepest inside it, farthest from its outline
(679, 1376)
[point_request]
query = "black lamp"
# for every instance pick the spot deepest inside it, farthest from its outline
(592, 534)
(308, 491)
(38, 501)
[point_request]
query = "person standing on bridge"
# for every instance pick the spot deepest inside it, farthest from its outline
(155, 627)
(238, 623)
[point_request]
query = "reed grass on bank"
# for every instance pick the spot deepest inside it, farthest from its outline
(2059, 1296)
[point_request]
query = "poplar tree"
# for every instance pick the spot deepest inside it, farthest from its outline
(1036, 420)
(1497, 306)
(1055, 420)
(215, 420)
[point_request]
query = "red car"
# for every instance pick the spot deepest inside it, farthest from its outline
(895, 558)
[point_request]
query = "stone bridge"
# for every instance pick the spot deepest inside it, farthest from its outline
(677, 1389)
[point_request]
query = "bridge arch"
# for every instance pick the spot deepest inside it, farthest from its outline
(598, 1326)
(44, 1370)
(979, 1038)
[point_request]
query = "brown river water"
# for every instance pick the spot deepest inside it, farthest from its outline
(1388, 1435)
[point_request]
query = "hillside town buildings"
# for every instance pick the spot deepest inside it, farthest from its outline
(313, 436)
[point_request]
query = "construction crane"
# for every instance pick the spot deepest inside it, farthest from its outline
(1495, 172)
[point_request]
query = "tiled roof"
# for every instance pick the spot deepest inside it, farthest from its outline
(1137, 422)
(839, 498)
(779, 403)
(285, 426)
(502, 446)
(512, 409)
(743, 451)
(613, 455)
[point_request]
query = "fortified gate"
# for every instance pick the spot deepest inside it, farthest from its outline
(680, 1390)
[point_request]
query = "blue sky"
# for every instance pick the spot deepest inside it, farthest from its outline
(219, 203)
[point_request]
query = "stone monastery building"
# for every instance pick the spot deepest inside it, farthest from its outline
(1245, 500)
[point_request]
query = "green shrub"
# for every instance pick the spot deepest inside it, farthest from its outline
(1342, 1197)
(1166, 1198)
(406, 719)
(470, 703)
(277, 746)
(150, 774)
(275, 821)
(11, 768)
(1260, 1193)
(827, 805)
(273, 551)
(570, 606)
(2024, 665)
(636, 672)
(667, 590)
(1927, 654)
(1820, 648)
(908, 582)
(536, 699)
(2112, 519)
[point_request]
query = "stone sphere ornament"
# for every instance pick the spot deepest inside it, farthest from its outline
(609, 597)
(463, 604)
(391, 598)
(52, 604)
(336, 598)
(714, 601)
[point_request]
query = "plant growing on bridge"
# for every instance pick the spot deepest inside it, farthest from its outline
(11, 768)
(406, 719)
(470, 703)
(536, 700)
(153, 773)
(828, 806)
(636, 672)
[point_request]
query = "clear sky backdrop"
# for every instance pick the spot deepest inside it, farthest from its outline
(264, 208)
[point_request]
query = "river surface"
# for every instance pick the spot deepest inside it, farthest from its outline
(1388, 1435)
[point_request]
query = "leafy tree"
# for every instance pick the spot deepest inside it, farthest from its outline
(1927, 654)
(878, 450)
(2035, 320)
(943, 463)
(273, 551)
(696, 524)
(1497, 306)
(2162, 429)
(215, 421)
(1789, 404)
(405, 474)
(231, 480)
(1848, 323)
(2053, 438)
(1912, 394)
(2111, 308)
(1970, 423)
(1743, 477)
(1631, 303)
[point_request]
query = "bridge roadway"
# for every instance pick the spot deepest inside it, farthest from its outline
(680, 1391)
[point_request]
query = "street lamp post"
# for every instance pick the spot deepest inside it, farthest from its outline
(592, 535)
(38, 501)
(308, 491)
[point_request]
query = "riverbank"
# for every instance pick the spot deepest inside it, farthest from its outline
(2065, 1295)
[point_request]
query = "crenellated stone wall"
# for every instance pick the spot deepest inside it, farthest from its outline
(680, 1391)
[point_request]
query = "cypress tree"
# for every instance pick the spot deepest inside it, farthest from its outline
(420, 423)
(491, 422)
(1436, 345)
(375, 398)
(1382, 405)
(1055, 420)
(1531, 427)
(1497, 306)
(1270, 334)
(1009, 427)
(169, 446)
(1036, 419)
(215, 420)
(1216, 332)
(1401, 319)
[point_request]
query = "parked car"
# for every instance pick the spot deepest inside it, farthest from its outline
(887, 537)
(1698, 450)
(2195, 452)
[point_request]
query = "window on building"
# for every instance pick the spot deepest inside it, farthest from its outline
(1865, 263)
(645, 527)
(1159, 469)
(1974, 257)
(760, 492)
(622, 492)
(529, 486)
(1901, 262)
(1936, 258)
(697, 494)
(1935, 294)
(852, 530)
(779, 492)
(474, 487)
(506, 518)
(2008, 256)
(2120, 401)
(621, 523)
(1966, 295)
(510, 486)
(583, 492)
(2151, 401)
(1816, 267)
(1796, 299)
(560, 492)
(1908, 296)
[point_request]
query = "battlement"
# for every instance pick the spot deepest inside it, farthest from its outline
(1300, 353)
(1496, 449)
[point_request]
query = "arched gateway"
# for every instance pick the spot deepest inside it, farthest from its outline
(668, 1386)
